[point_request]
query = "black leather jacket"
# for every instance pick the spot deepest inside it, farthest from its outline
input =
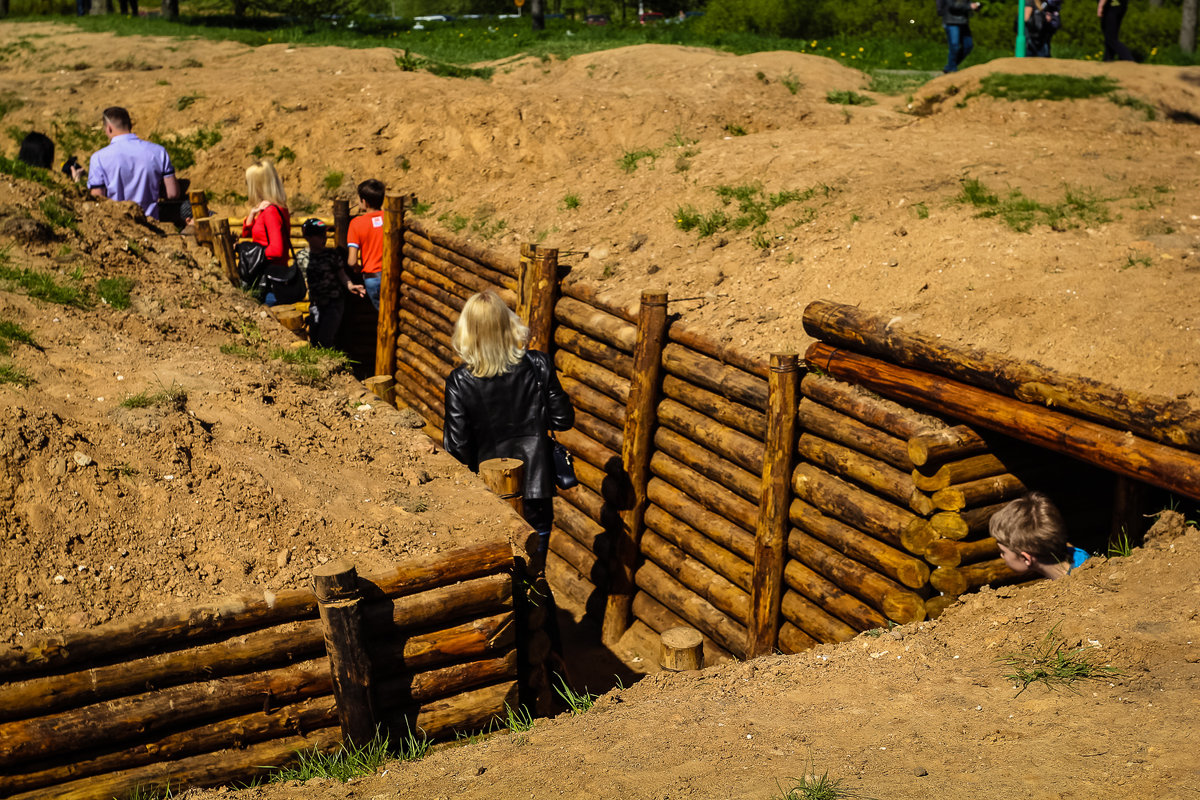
(506, 416)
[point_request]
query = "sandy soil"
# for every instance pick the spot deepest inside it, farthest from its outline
(259, 475)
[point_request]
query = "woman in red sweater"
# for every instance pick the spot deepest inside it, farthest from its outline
(270, 225)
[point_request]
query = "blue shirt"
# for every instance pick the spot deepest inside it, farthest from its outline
(1077, 557)
(130, 169)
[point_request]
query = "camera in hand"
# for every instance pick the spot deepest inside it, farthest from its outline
(68, 168)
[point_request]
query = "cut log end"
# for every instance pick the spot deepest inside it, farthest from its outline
(682, 649)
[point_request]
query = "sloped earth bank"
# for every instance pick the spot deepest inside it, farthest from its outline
(266, 469)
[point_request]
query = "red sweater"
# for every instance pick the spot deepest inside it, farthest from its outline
(272, 228)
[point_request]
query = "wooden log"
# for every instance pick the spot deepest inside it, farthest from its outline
(936, 447)
(498, 272)
(537, 293)
(710, 494)
(593, 350)
(383, 387)
(209, 769)
(591, 504)
(451, 566)
(878, 412)
(636, 439)
(793, 640)
(864, 470)
(880, 592)
(749, 421)
(199, 201)
(1165, 420)
(441, 606)
(964, 523)
(729, 382)
(963, 470)
(728, 535)
(468, 279)
(438, 369)
(693, 609)
(697, 577)
(712, 466)
(568, 584)
(412, 374)
(599, 325)
(429, 310)
(594, 376)
(982, 492)
(726, 442)
(600, 431)
(505, 477)
(436, 278)
(467, 712)
(580, 557)
(771, 532)
(389, 309)
(845, 430)
(954, 581)
(418, 325)
(204, 231)
(583, 446)
(434, 292)
(583, 529)
(594, 296)
(695, 339)
(934, 606)
(918, 536)
(681, 649)
(862, 547)
(223, 247)
(341, 222)
(340, 601)
(828, 596)
(433, 349)
(410, 385)
(447, 681)
(850, 504)
(1143, 460)
(598, 404)
(949, 553)
(658, 618)
(729, 566)
(472, 639)
(247, 729)
(480, 255)
(433, 371)
(815, 622)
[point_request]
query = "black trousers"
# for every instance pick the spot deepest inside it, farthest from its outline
(1110, 25)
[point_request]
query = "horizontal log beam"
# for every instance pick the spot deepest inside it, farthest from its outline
(813, 620)
(857, 508)
(749, 421)
(697, 577)
(597, 377)
(708, 464)
(936, 447)
(695, 339)
(698, 612)
(876, 411)
(598, 324)
(739, 448)
(729, 382)
(949, 553)
(954, 581)
(830, 597)
(715, 527)
(845, 430)
(593, 350)
(658, 618)
(710, 494)
(480, 255)
(726, 564)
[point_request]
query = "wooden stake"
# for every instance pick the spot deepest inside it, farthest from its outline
(383, 387)
(770, 536)
(223, 246)
(199, 200)
(644, 395)
(939, 446)
(204, 231)
(505, 477)
(681, 649)
(389, 288)
(338, 594)
(538, 292)
(341, 222)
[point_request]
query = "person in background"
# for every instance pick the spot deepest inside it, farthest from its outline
(129, 6)
(130, 168)
(1043, 18)
(502, 400)
(1033, 538)
(365, 237)
(324, 270)
(956, 22)
(270, 224)
(1111, 12)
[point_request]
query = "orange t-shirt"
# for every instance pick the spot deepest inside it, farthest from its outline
(366, 233)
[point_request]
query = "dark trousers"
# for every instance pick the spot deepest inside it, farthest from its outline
(960, 44)
(129, 6)
(326, 319)
(1110, 24)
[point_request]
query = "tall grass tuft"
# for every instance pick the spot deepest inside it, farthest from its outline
(1051, 662)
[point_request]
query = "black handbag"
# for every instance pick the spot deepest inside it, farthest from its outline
(251, 262)
(564, 466)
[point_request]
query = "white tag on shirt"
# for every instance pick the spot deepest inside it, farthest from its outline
(377, 222)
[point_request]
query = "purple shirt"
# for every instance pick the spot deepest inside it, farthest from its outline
(130, 169)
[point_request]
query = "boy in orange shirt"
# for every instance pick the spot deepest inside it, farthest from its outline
(365, 237)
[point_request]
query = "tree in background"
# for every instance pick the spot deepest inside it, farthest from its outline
(1187, 27)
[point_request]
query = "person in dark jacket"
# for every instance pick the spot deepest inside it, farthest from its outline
(956, 21)
(502, 400)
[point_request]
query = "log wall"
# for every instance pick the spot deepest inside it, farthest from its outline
(216, 693)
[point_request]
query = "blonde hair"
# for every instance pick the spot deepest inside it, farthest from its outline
(263, 183)
(488, 336)
(1033, 525)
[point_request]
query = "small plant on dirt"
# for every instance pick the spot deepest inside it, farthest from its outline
(10, 373)
(894, 83)
(10, 333)
(576, 701)
(791, 82)
(519, 720)
(149, 792)
(454, 221)
(346, 762)
(681, 140)
(186, 101)
(1021, 213)
(171, 397)
(847, 98)
(733, 129)
(571, 202)
(131, 65)
(58, 215)
(239, 350)
(19, 169)
(483, 224)
(412, 63)
(44, 286)
(182, 148)
(75, 138)
(754, 207)
(815, 787)
(417, 507)
(1136, 261)
(762, 241)
(332, 181)
(191, 63)
(1149, 112)
(420, 208)
(1119, 545)
(630, 159)
(1007, 86)
(115, 291)
(1053, 663)
(921, 210)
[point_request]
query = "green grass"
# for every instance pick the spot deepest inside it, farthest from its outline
(350, 761)
(332, 181)
(576, 701)
(630, 159)
(753, 208)
(815, 787)
(115, 291)
(9, 101)
(1007, 86)
(172, 397)
(1021, 213)
(412, 63)
(186, 101)
(847, 98)
(571, 202)
(1149, 112)
(791, 82)
(44, 286)
(182, 148)
(19, 169)
(73, 137)
(150, 792)
(519, 720)
(921, 210)
(10, 333)
(1052, 663)
(58, 215)
(898, 82)
(1120, 545)
(239, 350)
(10, 373)
(733, 129)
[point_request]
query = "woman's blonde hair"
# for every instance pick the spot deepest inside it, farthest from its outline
(489, 337)
(263, 183)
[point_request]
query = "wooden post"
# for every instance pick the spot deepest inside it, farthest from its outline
(383, 387)
(644, 395)
(681, 649)
(336, 586)
(223, 246)
(505, 477)
(204, 231)
(199, 201)
(341, 222)
(537, 293)
(389, 289)
(770, 540)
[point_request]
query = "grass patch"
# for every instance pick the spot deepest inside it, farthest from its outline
(630, 159)
(408, 62)
(896, 82)
(239, 350)
(115, 291)
(848, 98)
(1056, 665)
(753, 208)
(1021, 213)
(733, 129)
(10, 333)
(815, 787)
(791, 82)
(182, 148)
(1128, 101)
(1120, 545)
(58, 215)
(310, 365)
(74, 138)
(186, 101)
(19, 169)
(332, 181)
(1007, 86)
(44, 286)
(170, 397)
(571, 202)
(10, 373)
(576, 701)
(267, 150)
(349, 761)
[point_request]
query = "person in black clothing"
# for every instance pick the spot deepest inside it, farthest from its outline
(1111, 12)
(325, 271)
(500, 403)
(956, 22)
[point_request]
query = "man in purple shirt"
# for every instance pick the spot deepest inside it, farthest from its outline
(130, 168)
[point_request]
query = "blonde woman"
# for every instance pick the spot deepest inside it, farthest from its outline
(501, 401)
(270, 224)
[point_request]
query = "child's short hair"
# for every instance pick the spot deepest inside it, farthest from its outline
(371, 192)
(1033, 525)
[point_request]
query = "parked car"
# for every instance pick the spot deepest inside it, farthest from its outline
(596, 19)
(650, 18)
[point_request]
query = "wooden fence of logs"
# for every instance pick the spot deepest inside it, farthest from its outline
(215, 693)
(772, 503)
